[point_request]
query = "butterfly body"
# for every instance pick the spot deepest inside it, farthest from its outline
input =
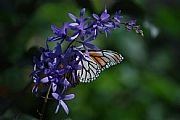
(96, 63)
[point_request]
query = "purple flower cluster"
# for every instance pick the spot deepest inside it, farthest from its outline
(56, 69)
(131, 25)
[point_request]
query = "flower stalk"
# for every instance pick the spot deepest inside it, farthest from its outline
(44, 104)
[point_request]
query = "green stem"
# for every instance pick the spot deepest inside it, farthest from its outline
(70, 44)
(44, 104)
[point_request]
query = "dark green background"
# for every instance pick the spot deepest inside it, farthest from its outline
(145, 86)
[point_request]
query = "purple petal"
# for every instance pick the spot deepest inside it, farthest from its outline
(82, 35)
(80, 54)
(82, 14)
(34, 73)
(73, 24)
(105, 10)
(109, 31)
(42, 57)
(72, 17)
(56, 96)
(88, 25)
(34, 89)
(35, 79)
(109, 25)
(78, 67)
(64, 28)
(57, 49)
(94, 31)
(45, 80)
(117, 19)
(132, 22)
(104, 15)
(50, 65)
(96, 16)
(55, 29)
(34, 68)
(118, 16)
(66, 83)
(54, 38)
(65, 107)
(89, 39)
(54, 87)
(85, 19)
(87, 53)
(75, 35)
(61, 71)
(57, 108)
(56, 61)
(55, 80)
(68, 67)
(93, 47)
(68, 39)
(79, 47)
(69, 97)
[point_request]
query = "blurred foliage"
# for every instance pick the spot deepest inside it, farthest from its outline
(145, 86)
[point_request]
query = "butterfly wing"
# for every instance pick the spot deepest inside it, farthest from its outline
(90, 70)
(106, 58)
(98, 61)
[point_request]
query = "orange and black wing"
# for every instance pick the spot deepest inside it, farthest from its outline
(106, 58)
(98, 61)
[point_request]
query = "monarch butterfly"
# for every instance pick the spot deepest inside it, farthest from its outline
(96, 63)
